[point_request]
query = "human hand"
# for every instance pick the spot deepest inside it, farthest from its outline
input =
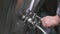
(49, 21)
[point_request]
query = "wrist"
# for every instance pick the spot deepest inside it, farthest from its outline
(57, 18)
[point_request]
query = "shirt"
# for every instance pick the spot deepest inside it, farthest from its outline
(58, 8)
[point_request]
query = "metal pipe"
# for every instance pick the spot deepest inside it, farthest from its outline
(31, 5)
(40, 28)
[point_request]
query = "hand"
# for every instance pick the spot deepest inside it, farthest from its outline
(50, 21)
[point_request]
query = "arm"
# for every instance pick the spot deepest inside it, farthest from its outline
(49, 21)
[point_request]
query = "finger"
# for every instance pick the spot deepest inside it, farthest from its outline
(44, 23)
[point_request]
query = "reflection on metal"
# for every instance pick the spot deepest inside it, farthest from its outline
(34, 22)
(19, 3)
(31, 5)
(32, 18)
